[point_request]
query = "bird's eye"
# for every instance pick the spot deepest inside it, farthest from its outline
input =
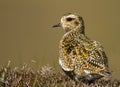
(69, 19)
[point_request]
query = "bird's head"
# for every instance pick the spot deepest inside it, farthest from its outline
(71, 22)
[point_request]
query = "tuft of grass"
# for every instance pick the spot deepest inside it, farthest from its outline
(46, 76)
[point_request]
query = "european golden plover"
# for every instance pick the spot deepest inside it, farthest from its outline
(81, 57)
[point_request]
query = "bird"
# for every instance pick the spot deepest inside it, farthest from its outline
(80, 57)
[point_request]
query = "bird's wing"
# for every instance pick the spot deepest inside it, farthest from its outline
(92, 56)
(96, 56)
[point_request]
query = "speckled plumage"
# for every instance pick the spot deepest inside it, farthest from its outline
(81, 57)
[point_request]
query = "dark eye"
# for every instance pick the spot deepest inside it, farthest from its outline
(69, 19)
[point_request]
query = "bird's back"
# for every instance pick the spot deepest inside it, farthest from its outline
(82, 56)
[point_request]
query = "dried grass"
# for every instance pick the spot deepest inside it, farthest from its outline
(45, 77)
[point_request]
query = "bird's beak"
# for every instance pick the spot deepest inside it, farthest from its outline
(57, 25)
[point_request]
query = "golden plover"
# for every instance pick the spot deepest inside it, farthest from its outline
(81, 57)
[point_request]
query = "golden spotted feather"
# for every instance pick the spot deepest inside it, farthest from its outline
(81, 55)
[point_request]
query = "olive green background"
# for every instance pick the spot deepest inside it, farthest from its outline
(26, 35)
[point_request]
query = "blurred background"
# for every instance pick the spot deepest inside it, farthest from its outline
(27, 36)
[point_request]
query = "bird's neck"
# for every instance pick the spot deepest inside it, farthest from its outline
(80, 30)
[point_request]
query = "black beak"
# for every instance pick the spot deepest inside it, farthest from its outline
(57, 25)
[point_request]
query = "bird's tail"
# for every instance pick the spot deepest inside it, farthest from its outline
(107, 74)
(103, 75)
